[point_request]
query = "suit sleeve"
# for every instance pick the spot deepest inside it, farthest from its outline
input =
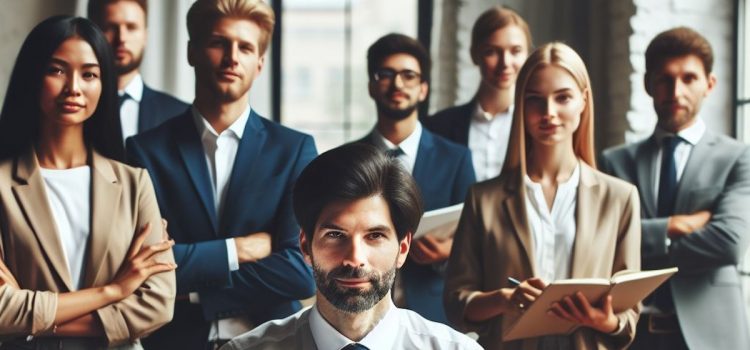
(194, 272)
(627, 257)
(724, 240)
(282, 276)
(150, 306)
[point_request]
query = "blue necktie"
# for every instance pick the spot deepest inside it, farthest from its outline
(667, 177)
(121, 99)
(394, 153)
(355, 346)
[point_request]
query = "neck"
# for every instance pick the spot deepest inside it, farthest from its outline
(61, 148)
(351, 325)
(493, 100)
(396, 131)
(551, 164)
(218, 113)
(125, 79)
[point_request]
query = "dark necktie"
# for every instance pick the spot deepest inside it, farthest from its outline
(355, 346)
(394, 153)
(121, 99)
(667, 177)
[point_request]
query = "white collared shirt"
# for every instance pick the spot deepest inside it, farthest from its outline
(68, 194)
(409, 146)
(553, 232)
(690, 137)
(398, 329)
(220, 151)
(131, 107)
(488, 141)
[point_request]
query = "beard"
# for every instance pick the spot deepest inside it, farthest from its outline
(129, 67)
(395, 113)
(353, 300)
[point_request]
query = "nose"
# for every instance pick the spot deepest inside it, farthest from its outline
(677, 88)
(72, 85)
(356, 255)
(398, 81)
(505, 57)
(550, 110)
(231, 52)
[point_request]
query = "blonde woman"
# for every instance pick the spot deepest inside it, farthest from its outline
(549, 215)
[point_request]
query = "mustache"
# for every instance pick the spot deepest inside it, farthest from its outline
(350, 272)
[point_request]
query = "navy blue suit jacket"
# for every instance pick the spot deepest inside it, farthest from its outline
(452, 123)
(157, 107)
(269, 160)
(444, 173)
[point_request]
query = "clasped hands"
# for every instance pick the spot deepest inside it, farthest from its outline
(574, 308)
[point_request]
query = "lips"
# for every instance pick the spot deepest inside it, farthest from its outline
(71, 106)
(228, 75)
(353, 282)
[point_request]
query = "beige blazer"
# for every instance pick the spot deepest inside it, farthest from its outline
(123, 201)
(493, 242)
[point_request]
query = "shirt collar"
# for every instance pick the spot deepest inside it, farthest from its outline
(382, 336)
(134, 89)
(204, 127)
(692, 134)
(410, 145)
(480, 115)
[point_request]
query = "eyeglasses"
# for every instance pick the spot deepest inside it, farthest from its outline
(408, 77)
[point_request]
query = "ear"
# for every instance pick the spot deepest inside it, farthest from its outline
(424, 88)
(372, 88)
(305, 247)
(403, 249)
(261, 62)
(191, 53)
(711, 84)
(647, 85)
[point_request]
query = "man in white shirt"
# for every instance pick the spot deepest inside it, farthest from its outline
(358, 210)
(124, 25)
(695, 193)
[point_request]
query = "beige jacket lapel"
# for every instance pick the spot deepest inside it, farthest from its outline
(29, 189)
(105, 193)
(516, 206)
(586, 219)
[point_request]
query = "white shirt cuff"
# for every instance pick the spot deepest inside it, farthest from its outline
(234, 262)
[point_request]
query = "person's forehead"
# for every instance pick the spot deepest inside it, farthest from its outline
(400, 61)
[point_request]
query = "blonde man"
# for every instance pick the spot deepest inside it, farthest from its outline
(223, 178)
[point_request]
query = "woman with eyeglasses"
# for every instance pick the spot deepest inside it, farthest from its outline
(85, 262)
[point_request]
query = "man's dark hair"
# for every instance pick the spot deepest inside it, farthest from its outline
(392, 44)
(95, 9)
(677, 42)
(352, 172)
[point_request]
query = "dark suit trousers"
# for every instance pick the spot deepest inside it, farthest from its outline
(645, 340)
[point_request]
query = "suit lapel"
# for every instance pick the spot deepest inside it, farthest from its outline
(588, 200)
(191, 150)
(105, 198)
(692, 171)
(645, 161)
(32, 198)
(515, 205)
(145, 109)
(425, 162)
(464, 121)
(248, 154)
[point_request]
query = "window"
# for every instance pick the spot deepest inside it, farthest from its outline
(743, 72)
(324, 63)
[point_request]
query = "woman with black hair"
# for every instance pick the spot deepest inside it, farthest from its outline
(84, 258)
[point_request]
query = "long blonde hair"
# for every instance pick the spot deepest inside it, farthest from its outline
(559, 55)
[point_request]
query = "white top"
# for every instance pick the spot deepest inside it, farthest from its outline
(131, 107)
(220, 151)
(410, 146)
(399, 329)
(690, 137)
(69, 196)
(553, 233)
(488, 141)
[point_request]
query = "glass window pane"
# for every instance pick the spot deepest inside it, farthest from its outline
(324, 65)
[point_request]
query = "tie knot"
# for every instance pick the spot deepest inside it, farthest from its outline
(124, 97)
(671, 142)
(355, 346)
(394, 153)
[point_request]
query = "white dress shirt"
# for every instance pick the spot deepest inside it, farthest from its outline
(553, 232)
(220, 151)
(398, 329)
(68, 194)
(409, 146)
(131, 107)
(488, 141)
(690, 137)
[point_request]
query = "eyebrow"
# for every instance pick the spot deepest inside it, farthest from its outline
(375, 228)
(530, 91)
(65, 63)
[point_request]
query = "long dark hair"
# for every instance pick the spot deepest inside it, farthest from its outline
(21, 114)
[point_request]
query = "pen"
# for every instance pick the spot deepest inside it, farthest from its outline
(514, 281)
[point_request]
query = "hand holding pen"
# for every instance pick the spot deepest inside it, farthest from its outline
(525, 292)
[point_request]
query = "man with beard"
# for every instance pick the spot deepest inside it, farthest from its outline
(695, 193)
(399, 70)
(124, 25)
(358, 210)
(223, 177)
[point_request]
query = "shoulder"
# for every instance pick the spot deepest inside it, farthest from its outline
(452, 113)
(275, 334)
(163, 98)
(432, 334)
(446, 146)
(617, 152)
(277, 130)
(164, 132)
(613, 186)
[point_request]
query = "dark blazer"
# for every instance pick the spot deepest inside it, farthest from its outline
(157, 107)
(453, 123)
(444, 173)
(269, 160)
(706, 291)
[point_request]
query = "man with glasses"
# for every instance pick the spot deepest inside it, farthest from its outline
(399, 69)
